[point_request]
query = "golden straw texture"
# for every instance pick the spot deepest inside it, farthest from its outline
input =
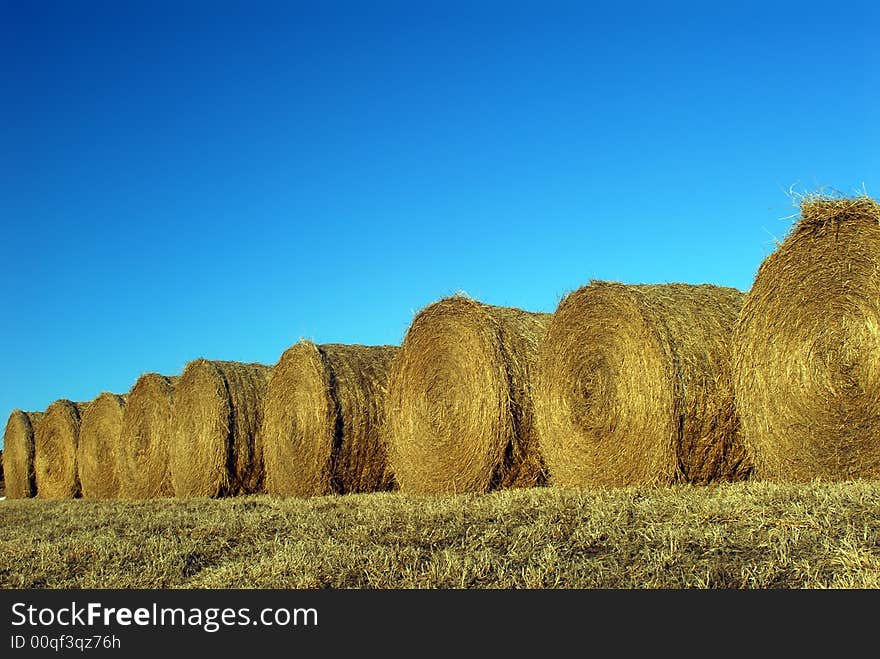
(807, 357)
(634, 386)
(18, 454)
(55, 446)
(98, 448)
(145, 439)
(322, 416)
(215, 420)
(459, 416)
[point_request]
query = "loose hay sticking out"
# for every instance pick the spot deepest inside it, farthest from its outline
(807, 352)
(323, 411)
(145, 439)
(215, 449)
(633, 386)
(18, 454)
(459, 416)
(98, 450)
(55, 446)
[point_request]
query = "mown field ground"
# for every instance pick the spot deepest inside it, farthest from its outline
(747, 535)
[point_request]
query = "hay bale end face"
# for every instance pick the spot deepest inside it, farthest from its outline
(145, 438)
(322, 415)
(56, 438)
(215, 419)
(98, 447)
(459, 415)
(18, 454)
(807, 350)
(634, 386)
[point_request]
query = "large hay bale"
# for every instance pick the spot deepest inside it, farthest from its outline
(18, 454)
(807, 350)
(459, 415)
(322, 416)
(145, 440)
(97, 453)
(215, 419)
(56, 438)
(634, 386)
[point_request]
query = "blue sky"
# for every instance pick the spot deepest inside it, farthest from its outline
(220, 179)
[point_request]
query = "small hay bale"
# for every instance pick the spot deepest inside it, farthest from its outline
(97, 453)
(807, 348)
(322, 416)
(634, 387)
(18, 454)
(459, 415)
(145, 439)
(215, 419)
(56, 438)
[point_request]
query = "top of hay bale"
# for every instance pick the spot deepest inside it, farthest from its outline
(817, 210)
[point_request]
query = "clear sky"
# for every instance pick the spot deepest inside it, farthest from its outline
(182, 179)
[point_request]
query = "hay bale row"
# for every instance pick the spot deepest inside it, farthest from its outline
(633, 386)
(459, 414)
(18, 454)
(145, 438)
(215, 422)
(323, 413)
(807, 357)
(622, 385)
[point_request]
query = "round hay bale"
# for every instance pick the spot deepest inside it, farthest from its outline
(459, 415)
(55, 447)
(322, 416)
(18, 454)
(807, 348)
(97, 454)
(215, 419)
(634, 386)
(145, 438)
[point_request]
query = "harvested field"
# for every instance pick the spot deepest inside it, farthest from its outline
(740, 535)
(322, 414)
(460, 415)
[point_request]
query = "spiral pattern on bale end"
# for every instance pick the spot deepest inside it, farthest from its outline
(145, 439)
(807, 355)
(215, 449)
(55, 450)
(98, 447)
(460, 416)
(322, 414)
(634, 386)
(18, 454)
